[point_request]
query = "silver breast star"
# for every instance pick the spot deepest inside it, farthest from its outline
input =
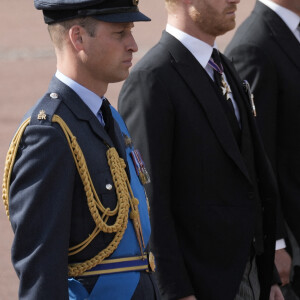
(225, 88)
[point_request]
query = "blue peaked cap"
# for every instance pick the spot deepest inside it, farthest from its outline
(114, 11)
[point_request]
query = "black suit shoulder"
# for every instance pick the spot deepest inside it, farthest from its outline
(260, 33)
(254, 23)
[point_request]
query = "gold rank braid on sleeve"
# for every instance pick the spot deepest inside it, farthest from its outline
(100, 214)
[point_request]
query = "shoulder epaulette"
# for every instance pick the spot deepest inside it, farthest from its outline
(45, 109)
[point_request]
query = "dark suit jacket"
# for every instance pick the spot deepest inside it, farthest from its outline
(201, 196)
(267, 54)
(48, 206)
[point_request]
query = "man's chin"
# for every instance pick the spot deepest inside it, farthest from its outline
(121, 77)
(224, 29)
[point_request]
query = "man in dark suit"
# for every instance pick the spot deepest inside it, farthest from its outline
(266, 52)
(71, 184)
(212, 194)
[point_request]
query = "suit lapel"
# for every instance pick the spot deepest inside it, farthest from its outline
(203, 88)
(237, 86)
(281, 33)
(243, 105)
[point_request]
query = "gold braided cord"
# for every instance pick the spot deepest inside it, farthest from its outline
(93, 200)
(117, 168)
(79, 247)
(9, 161)
(123, 190)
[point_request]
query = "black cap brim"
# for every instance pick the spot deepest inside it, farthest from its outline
(123, 17)
(117, 11)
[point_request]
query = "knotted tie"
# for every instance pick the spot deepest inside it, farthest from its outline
(105, 112)
(100, 117)
(106, 115)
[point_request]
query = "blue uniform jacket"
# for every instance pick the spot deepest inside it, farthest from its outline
(48, 207)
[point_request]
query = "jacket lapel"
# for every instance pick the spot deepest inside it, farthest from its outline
(191, 72)
(243, 105)
(82, 112)
(237, 85)
(252, 132)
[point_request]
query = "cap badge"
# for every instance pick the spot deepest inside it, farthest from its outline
(135, 2)
(42, 115)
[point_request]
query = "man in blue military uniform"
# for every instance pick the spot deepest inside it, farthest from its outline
(73, 184)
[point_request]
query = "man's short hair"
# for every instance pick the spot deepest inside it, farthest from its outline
(58, 31)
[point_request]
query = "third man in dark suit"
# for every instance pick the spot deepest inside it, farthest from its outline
(266, 52)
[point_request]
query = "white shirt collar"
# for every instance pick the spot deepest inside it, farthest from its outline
(200, 50)
(92, 100)
(290, 18)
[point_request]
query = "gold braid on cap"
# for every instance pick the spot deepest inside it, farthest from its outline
(99, 213)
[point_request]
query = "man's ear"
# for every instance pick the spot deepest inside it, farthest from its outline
(75, 34)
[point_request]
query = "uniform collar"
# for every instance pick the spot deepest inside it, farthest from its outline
(92, 100)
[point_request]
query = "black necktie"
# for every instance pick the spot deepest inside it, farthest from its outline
(114, 132)
(108, 119)
(106, 112)
(220, 80)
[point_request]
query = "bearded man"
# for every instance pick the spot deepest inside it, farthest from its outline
(212, 194)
